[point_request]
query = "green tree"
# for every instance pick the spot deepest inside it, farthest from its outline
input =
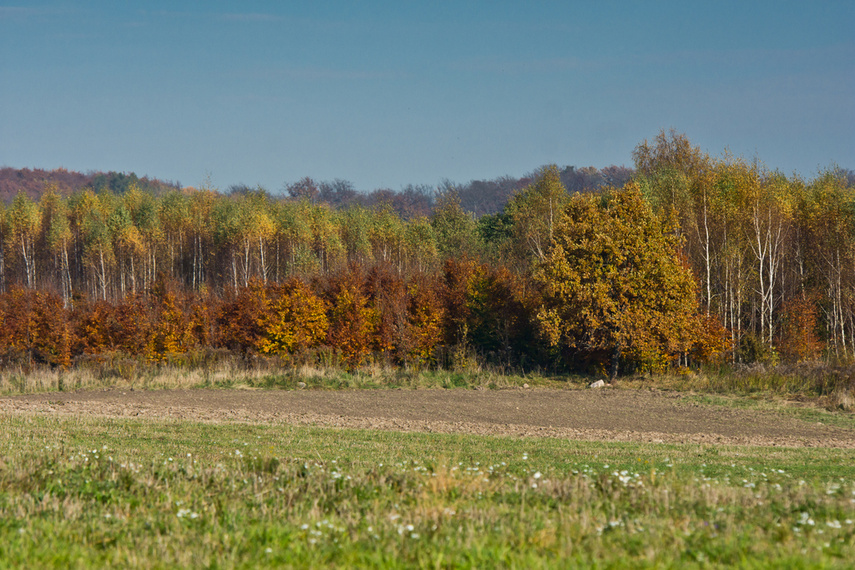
(226, 232)
(143, 208)
(534, 212)
(294, 238)
(91, 217)
(128, 246)
(56, 232)
(453, 228)
(175, 219)
(420, 250)
(614, 283)
(356, 222)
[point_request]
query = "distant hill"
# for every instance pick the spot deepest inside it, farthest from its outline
(480, 197)
(477, 196)
(35, 182)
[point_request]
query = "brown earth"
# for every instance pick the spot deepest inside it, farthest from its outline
(597, 414)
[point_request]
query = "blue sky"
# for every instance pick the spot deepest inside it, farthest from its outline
(386, 94)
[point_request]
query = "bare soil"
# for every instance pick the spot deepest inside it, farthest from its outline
(596, 414)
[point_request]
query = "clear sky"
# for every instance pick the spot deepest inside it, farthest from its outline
(390, 93)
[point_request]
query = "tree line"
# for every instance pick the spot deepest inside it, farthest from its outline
(686, 259)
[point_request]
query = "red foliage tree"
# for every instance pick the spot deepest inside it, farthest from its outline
(353, 321)
(35, 327)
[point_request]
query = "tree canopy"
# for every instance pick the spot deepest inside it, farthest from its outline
(695, 259)
(614, 284)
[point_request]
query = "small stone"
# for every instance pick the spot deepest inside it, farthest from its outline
(301, 385)
(525, 385)
(597, 384)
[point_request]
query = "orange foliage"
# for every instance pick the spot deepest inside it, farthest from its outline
(425, 316)
(388, 296)
(353, 321)
(711, 340)
(241, 321)
(34, 326)
(799, 340)
(460, 277)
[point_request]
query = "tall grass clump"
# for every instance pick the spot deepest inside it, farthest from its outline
(831, 385)
(221, 369)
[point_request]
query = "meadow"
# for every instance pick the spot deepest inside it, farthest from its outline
(85, 492)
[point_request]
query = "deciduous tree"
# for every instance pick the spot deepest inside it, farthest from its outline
(614, 282)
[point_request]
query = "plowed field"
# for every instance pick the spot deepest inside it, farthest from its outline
(597, 414)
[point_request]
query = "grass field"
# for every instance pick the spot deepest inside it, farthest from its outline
(88, 492)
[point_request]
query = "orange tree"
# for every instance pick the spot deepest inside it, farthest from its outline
(34, 328)
(425, 317)
(615, 287)
(352, 319)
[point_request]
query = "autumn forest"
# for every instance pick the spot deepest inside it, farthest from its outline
(683, 261)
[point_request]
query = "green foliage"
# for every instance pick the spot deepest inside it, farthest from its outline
(453, 228)
(124, 493)
(535, 212)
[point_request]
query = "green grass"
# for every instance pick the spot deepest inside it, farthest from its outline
(89, 492)
(808, 412)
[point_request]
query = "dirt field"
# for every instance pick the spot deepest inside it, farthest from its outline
(601, 414)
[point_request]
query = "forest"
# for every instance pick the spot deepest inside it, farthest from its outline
(683, 261)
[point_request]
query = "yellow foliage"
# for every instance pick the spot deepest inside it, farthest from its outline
(296, 319)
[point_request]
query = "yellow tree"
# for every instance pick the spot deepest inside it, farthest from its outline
(294, 238)
(768, 207)
(678, 178)
(828, 222)
(356, 225)
(387, 236)
(295, 319)
(3, 232)
(201, 226)
(23, 221)
(174, 212)
(614, 283)
(326, 237)
(255, 228)
(56, 232)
